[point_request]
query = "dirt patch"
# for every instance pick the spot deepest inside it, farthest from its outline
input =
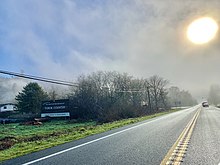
(31, 123)
(7, 142)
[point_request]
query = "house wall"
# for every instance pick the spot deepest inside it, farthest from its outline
(8, 107)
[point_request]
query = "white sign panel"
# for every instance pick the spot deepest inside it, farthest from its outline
(63, 114)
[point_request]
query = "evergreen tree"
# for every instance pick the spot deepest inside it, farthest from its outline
(29, 100)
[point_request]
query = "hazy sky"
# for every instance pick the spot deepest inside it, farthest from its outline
(64, 38)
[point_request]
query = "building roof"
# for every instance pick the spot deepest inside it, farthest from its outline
(1, 105)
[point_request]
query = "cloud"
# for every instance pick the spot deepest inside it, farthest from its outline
(62, 39)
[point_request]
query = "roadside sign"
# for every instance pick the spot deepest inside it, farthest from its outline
(56, 108)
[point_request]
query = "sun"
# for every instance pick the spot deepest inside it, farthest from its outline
(202, 30)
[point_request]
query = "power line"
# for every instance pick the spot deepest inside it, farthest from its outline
(48, 80)
(132, 91)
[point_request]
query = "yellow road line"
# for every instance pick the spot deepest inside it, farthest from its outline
(177, 152)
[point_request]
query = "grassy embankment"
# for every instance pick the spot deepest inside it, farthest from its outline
(17, 140)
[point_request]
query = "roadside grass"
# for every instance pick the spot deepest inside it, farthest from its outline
(28, 139)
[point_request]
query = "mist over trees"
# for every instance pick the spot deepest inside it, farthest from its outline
(107, 96)
(179, 97)
(57, 92)
(214, 94)
(9, 88)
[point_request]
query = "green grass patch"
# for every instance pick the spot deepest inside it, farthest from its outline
(28, 139)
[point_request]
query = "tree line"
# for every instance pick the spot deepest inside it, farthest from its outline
(104, 96)
(214, 95)
(178, 98)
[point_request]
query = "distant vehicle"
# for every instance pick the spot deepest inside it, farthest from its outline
(205, 104)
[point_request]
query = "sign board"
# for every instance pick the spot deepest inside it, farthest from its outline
(57, 108)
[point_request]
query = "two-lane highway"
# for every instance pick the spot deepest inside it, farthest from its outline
(142, 143)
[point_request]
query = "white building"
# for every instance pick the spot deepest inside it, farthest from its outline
(8, 107)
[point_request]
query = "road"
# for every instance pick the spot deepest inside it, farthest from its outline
(142, 143)
(204, 147)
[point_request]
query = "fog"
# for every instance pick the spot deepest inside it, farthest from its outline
(9, 88)
(71, 37)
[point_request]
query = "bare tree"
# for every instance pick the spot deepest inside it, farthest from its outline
(157, 86)
(112, 95)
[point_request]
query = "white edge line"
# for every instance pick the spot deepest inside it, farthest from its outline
(78, 146)
(72, 148)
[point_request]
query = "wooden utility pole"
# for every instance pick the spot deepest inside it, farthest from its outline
(148, 95)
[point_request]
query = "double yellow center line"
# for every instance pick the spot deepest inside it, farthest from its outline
(177, 152)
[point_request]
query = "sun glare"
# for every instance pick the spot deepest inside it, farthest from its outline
(202, 30)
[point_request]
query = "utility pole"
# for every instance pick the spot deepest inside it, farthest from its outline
(148, 95)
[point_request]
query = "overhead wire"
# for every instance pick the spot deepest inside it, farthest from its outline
(38, 78)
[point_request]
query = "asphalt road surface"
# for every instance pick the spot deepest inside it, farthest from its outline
(141, 143)
(204, 148)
